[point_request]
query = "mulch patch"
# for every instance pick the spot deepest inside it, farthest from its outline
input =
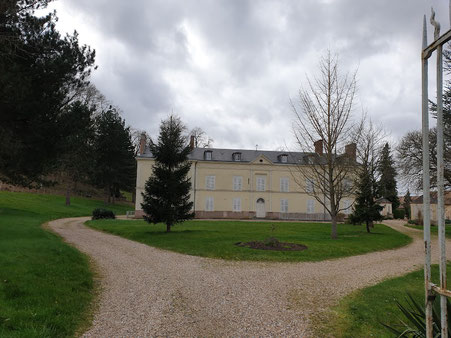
(277, 246)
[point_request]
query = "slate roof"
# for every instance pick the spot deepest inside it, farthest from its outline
(225, 155)
(433, 198)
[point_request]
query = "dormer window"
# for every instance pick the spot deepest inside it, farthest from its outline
(283, 158)
(207, 155)
(236, 157)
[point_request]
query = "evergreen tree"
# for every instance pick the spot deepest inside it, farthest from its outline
(114, 167)
(387, 182)
(166, 195)
(406, 205)
(39, 73)
(366, 210)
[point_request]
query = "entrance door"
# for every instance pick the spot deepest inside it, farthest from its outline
(260, 208)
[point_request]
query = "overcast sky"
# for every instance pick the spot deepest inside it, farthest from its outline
(231, 66)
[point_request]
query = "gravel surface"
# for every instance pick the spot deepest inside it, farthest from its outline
(151, 292)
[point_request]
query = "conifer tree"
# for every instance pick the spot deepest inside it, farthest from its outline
(166, 193)
(387, 182)
(406, 205)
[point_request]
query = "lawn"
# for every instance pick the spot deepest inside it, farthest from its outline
(46, 286)
(217, 238)
(434, 228)
(360, 314)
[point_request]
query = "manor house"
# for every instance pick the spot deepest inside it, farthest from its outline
(246, 184)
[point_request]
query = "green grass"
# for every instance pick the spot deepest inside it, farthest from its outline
(46, 286)
(358, 314)
(434, 228)
(216, 238)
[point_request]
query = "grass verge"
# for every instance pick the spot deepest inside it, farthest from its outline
(360, 313)
(46, 286)
(216, 239)
(434, 228)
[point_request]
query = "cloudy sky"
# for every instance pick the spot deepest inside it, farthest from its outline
(231, 66)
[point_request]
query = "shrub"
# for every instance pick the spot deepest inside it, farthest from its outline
(412, 221)
(102, 214)
(399, 213)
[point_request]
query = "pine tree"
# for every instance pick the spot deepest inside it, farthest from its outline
(114, 167)
(406, 205)
(387, 182)
(366, 210)
(166, 194)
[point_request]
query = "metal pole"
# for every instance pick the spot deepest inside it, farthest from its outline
(426, 188)
(440, 192)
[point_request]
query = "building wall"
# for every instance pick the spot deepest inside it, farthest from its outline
(415, 209)
(223, 194)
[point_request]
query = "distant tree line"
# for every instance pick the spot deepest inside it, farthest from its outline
(51, 118)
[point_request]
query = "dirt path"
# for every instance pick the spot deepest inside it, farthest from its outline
(152, 292)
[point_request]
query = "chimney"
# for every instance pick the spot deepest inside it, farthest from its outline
(191, 142)
(142, 143)
(350, 150)
(319, 147)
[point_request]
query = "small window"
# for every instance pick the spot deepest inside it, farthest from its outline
(207, 155)
(309, 185)
(310, 206)
(347, 209)
(236, 157)
(283, 205)
(347, 185)
(210, 182)
(284, 184)
(237, 204)
(261, 182)
(283, 158)
(237, 183)
(209, 204)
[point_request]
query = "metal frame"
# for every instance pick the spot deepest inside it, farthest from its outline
(431, 289)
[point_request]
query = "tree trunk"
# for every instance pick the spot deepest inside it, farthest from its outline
(333, 234)
(168, 227)
(68, 195)
(368, 227)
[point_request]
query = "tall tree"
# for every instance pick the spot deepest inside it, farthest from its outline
(167, 191)
(39, 70)
(406, 204)
(366, 210)
(387, 177)
(324, 113)
(201, 139)
(114, 166)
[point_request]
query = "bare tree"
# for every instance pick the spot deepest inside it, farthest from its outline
(323, 113)
(201, 139)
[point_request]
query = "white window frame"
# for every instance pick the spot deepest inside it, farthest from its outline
(347, 209)
(262, 185)
(309, 185)
(284, 184)
(237, 183)
(237, 204)
(209, 204)
(283, 205)
(210, 182)
(310, 206)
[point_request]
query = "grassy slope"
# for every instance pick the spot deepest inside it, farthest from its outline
(358, 314)
(45, 285)
(216, 238)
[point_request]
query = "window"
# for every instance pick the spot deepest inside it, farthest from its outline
(236, 157)
(207, 155)
(347, 185)
(284, 184)
(283, 205)
(261, 180)
(237, 183)
(210, 182)
(237, 204)
(310, 206)
(347, 210)
(209, 204)
(283, 158)
(309, 185)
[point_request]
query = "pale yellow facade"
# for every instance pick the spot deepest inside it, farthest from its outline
(416, 210)
(245, 190)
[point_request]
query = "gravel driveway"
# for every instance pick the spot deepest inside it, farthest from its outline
(151, 292)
